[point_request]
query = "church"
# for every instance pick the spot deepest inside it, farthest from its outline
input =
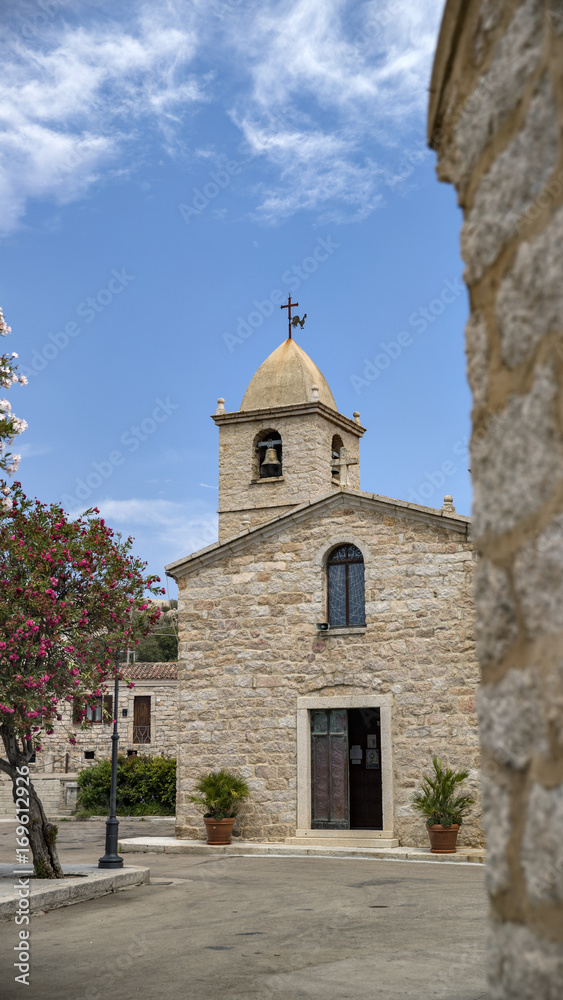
(326, 639)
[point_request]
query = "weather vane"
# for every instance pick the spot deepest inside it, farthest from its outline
(293, 321)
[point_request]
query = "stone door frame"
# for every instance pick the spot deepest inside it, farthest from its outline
(305, 704)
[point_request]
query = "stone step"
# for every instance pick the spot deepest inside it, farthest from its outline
(169, 845)
(375, 843)
(56, 791)
(344, 838)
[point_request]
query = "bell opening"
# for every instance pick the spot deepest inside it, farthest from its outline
(269, 454)
(335, 456)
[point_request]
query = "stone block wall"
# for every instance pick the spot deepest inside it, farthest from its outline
(249, 648)
(496, 123)
(306, 433)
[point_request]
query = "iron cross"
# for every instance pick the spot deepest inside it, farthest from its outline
(290, 305)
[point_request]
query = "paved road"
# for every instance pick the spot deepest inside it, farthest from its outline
(233, 928)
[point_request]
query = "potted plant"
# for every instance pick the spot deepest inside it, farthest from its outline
(220, 795)
(443, 807)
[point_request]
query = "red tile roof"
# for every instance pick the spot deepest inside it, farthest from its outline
(151, 671)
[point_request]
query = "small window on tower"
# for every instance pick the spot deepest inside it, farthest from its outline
(269, 453)
(335, 457)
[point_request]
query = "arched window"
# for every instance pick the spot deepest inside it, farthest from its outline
(268, 449)
(346, 596)
(335, 454)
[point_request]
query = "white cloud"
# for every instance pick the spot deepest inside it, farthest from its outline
(34, 450)
(176, 529)
(344, 55)
(72, 98)
(335, 86)
(163, 530)
(326, 94)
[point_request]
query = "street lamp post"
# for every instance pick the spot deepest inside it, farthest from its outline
(111, 858)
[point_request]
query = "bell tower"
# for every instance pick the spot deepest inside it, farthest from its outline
(285, 445)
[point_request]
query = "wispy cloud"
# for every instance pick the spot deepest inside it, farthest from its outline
(334, 87)
(342, 54)
(34, 450)
(175, 529)
(73, 97)
(326, 95)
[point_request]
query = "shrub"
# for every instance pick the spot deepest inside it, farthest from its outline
(146, 786)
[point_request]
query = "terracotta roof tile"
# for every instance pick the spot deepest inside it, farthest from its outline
(151, 671)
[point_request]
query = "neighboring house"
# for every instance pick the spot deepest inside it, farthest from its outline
(326, 639)
(147, 722)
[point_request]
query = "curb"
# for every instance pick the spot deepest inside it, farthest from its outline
(90, 882)
(70, 818)
(169, 845)
(120, 816)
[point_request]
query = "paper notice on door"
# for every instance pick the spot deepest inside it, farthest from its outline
(356, 754)
(372, 741)
(372, 758)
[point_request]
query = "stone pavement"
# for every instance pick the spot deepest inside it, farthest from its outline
(258, 928)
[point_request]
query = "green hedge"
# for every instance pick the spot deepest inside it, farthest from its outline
(146, 786)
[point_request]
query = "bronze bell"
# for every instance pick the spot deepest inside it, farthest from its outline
(271, 466)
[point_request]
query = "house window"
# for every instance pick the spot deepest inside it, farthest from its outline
(94, 712)
(268, 449)
(346, 595)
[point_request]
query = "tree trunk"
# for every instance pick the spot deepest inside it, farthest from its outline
(42, 834)
(43, 839)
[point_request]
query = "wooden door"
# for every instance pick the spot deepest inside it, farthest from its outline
(329, 769)
(364, 739)
(142, 719)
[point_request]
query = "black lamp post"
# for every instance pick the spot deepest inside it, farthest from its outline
(111, 858)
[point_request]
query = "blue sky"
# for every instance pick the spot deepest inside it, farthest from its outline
(165, 168)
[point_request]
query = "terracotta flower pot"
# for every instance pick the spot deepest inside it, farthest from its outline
(443, 838)
(219, 831)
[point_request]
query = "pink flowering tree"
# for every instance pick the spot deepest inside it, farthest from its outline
(10, 425)
(70, 596)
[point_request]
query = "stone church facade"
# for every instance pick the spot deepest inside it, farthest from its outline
(326, 639)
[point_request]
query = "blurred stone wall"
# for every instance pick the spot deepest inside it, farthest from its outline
(495, 121)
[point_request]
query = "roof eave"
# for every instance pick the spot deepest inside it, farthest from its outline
(266, 413)
(460, 522)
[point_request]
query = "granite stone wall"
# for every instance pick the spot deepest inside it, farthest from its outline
(249, 648)
(496, 117)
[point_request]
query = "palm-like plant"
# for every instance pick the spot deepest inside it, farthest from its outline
(438, 801)
(221, 794)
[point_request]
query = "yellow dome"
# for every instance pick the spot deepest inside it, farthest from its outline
(286, 378)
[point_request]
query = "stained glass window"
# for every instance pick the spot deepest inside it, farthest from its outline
(346, 597)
